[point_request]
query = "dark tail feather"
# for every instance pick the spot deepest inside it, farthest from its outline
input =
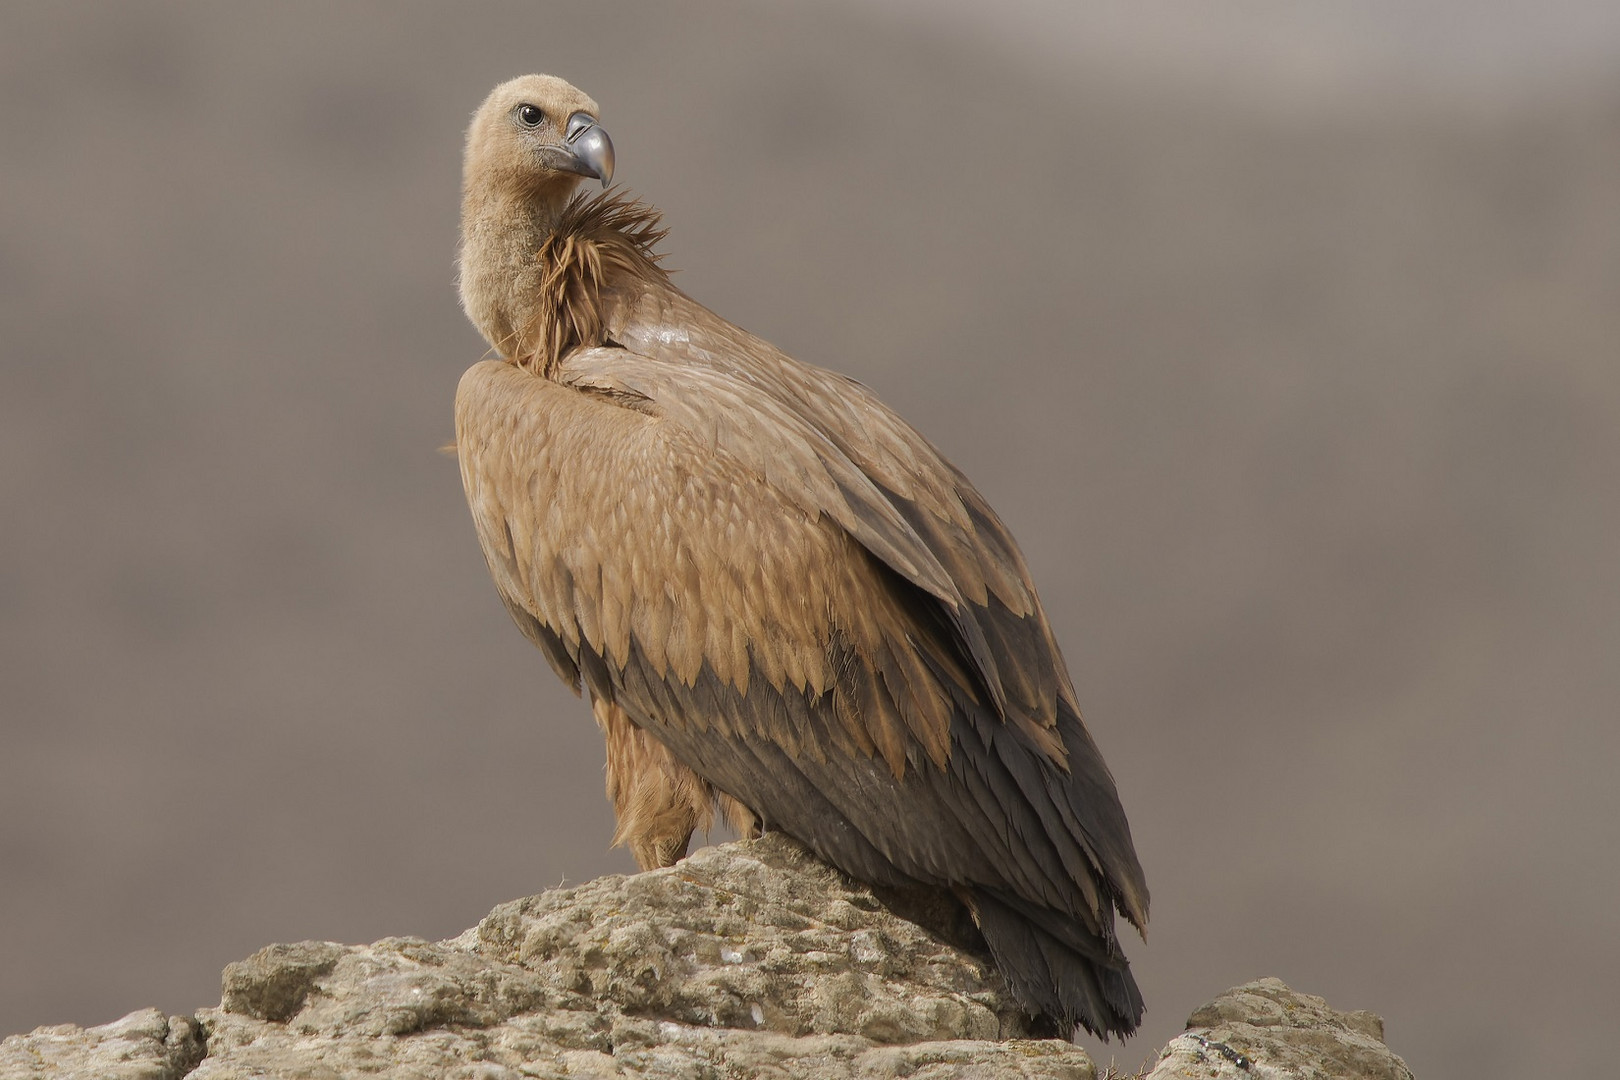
(1052, 979)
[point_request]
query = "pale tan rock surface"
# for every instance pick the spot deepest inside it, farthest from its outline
(1264, 1029)
(144, 1045)
(746, 960)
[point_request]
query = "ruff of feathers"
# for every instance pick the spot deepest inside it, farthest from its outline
(597, 238)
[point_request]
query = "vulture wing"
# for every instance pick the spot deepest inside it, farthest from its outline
(851, 430)
(768, 570)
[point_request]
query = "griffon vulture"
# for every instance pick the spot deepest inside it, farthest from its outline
(779, 596)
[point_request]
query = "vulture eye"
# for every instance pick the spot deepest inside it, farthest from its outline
(530, 115)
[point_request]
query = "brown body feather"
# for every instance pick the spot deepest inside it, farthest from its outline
(779, 594)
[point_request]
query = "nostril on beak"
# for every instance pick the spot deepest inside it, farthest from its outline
(579, 124)
(590, 146)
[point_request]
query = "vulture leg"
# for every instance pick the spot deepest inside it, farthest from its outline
(658, 801)
(739, 817)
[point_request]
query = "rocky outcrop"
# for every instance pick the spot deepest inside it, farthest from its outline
(144, 1045)
(1264, 1029)
(746, 960)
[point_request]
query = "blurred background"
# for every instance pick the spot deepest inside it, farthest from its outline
(1285, 336)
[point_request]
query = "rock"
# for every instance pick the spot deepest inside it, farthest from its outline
(747, 960)
(144, 1045)
(273, 983)
(1263, 1029)
(757, 936)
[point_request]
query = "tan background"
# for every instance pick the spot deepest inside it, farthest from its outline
(1285, 339)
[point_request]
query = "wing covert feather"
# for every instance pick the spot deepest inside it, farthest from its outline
(665, 324)
(940, 507)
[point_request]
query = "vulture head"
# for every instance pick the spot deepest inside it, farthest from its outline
(530, 144)
(534, 138)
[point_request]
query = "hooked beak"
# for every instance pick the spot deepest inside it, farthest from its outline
(586, 149)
